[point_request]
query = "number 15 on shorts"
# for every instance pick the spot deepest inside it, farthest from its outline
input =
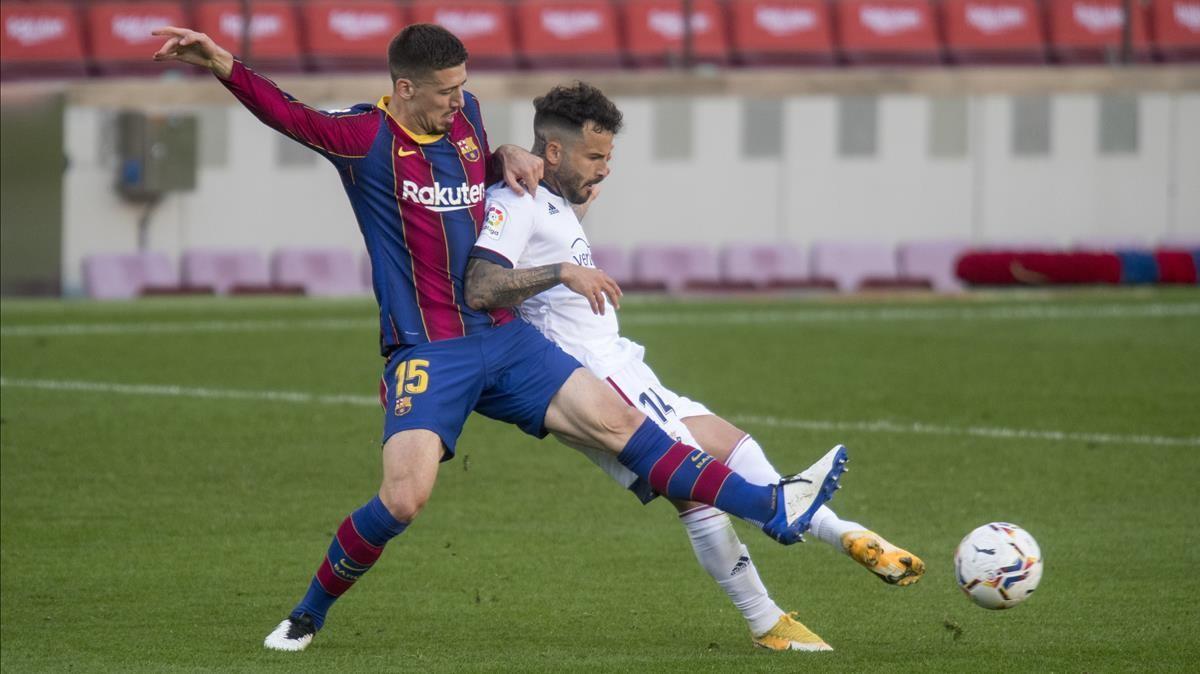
(412, 378)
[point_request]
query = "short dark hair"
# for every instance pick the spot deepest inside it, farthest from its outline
(568, 108)
(423, 48)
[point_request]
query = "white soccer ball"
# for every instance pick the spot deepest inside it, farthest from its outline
(998, 565)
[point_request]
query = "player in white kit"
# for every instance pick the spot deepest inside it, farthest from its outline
(532, 251)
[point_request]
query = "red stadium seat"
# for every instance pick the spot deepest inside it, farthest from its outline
(41, 39)
(484, 26)
(568, 33)
(888, 31)
(1089, 31)
(274, 31)
(354, 34)
(654, 32)
(993, 31)
(1176, 27)
(767, 32)
(119, 33)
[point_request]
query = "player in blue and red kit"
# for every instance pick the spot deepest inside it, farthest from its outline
(414, 166)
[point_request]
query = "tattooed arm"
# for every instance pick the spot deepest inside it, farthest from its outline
(491, 286)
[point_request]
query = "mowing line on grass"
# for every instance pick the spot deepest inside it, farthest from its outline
(746, 317)
(881, 426)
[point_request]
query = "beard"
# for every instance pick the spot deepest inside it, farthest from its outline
(573, 187)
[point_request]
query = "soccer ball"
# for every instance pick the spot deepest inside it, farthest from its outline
(998, 565)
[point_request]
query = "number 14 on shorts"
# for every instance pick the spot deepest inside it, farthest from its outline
(660, 408)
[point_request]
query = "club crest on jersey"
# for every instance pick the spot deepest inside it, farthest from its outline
(403, 406)
(468, 149)
(493, 221)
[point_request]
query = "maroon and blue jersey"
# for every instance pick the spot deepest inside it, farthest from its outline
(419, 202)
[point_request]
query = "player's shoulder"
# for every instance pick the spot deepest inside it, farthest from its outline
(503, 195)
(472, 110)
(365, 110)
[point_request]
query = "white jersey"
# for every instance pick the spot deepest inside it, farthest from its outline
(530, 231)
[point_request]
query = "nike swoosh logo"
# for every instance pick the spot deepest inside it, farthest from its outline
(402, 153)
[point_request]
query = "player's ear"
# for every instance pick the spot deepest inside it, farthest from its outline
(554, 151)
(404, 89)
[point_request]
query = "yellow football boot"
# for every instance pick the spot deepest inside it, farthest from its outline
(790, 634)
(893, 565)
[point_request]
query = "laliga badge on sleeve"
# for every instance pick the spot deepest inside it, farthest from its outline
(493, 221)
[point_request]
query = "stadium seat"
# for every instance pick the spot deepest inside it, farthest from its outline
(654, 31)
(614, 262)
(120, 35)
(933, 260)
(676, 267)
(1176, 28)
(484, 26)
(274, 31)
(1178, 265)
(226, 271)
(41, 39)
(120, 276)
(321, 272)
(773, 265)
(568, 34)
(349, 34)
(776, 32)
(1031, 268)
(857, 266)
(993, 31)
(1089, 31)
(888, 31)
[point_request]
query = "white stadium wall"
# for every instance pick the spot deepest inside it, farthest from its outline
(914, 173)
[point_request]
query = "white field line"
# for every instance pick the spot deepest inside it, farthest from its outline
(881, 426)
(160, 390)
(722, 317)
(177, 327)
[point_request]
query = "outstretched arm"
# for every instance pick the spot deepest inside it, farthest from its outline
(336, 135)
(189, 46)
(491, 286)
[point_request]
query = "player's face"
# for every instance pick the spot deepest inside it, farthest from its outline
(433, 102)
(585, 164)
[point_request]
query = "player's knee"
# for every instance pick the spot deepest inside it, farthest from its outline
(402, 501)
(619, 423)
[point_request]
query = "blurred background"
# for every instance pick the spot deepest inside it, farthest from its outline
(768, 143)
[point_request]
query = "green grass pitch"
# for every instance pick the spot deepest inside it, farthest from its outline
(161, 511)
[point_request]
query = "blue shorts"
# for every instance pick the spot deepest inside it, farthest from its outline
(509, 373)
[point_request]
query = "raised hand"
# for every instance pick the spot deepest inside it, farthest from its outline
(521, 169)
(189, 46)
(593, 284)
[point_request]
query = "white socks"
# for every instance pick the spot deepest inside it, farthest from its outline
(721, 553)
(830, 528)
(749, 461)
(723, 556)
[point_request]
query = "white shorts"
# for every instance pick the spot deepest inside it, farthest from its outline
(637, 384)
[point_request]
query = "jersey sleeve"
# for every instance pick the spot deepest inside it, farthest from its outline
(508, 224)
(340, 136)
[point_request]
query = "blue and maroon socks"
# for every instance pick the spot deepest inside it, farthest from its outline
(358, 543)
(682, 472)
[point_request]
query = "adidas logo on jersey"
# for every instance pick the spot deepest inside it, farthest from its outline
(553, 210)
(442, 199)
